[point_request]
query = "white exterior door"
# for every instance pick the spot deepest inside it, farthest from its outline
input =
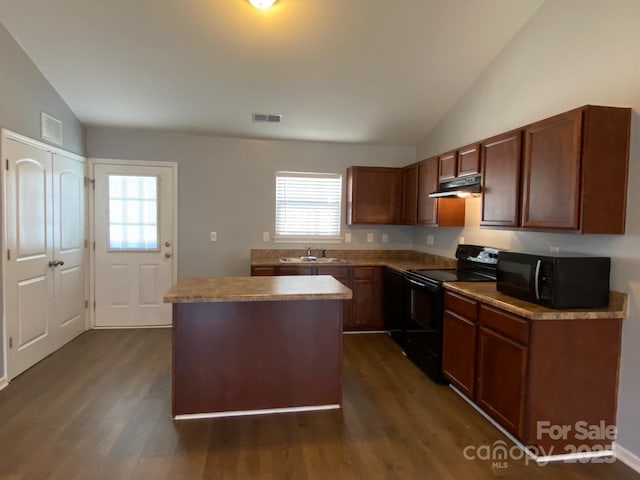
(134, 244)
(44, 288)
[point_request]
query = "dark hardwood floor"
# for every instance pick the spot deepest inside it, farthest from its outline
(100, 409)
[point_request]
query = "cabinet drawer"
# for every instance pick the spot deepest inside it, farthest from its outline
(510, 326)
(464, 307)
(363, 272)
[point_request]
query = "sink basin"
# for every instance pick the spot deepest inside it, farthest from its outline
(311, 259)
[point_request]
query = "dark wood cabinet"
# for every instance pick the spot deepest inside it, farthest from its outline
(437, 212)
(501, 160)
(367, 299)
(575, 171)
(551, 172)
(410, 195)
(263, 271)
(522, 371)
(448, 165)
(374, 195)
(459, 342)
(468, 160)
(365, 310)
(502, 367)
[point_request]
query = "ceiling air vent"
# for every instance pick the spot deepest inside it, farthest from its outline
(50, 129)
(267, 117)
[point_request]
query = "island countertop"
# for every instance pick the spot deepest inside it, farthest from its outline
(257, 289)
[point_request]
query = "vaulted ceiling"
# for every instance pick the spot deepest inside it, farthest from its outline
(366, 71)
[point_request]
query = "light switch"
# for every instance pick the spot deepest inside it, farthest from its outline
(369, 237)
(213, 236)
(265, 236)
(385, 237)
(347, 238)
(430, 239)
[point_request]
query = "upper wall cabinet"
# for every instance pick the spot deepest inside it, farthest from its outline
(459, 163)
(501, 158)
(374, 195)
(437, 212)
(575, 171)
(410, 194)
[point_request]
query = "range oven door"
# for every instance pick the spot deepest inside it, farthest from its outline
(424, 307)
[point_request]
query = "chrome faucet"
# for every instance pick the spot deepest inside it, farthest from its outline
(308, 251)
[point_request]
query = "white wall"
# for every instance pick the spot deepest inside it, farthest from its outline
(571, 53)
(227, 185)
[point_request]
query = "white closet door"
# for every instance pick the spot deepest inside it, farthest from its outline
(29, 240)
(68, 248)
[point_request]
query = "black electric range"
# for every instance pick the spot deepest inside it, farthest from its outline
(421, 336)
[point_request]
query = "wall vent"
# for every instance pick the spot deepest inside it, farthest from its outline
(51, 129)
(267, 117)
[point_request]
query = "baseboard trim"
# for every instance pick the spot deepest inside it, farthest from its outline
(139, 327)
(627, 457)
(241, 413)
(537, 458)
(4, 383)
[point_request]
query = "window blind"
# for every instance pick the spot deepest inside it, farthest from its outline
(308, 204)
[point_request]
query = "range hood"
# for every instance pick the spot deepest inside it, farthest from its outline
(459, 187)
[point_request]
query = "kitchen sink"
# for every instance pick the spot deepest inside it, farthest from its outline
(311, 259)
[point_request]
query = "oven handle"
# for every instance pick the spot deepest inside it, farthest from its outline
(537, 279)
(427, 286)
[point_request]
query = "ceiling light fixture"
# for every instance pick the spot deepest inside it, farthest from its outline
(262, 4)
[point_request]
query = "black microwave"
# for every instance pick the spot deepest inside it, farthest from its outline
(555, 281)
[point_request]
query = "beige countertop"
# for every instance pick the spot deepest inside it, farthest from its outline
(486, 292)
(400, 260)
(257, 289)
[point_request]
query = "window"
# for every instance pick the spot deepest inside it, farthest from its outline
(133, 213)
(308, 205)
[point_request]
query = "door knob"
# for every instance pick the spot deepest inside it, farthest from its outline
(167, 244)
(167, 255)
(55, 263)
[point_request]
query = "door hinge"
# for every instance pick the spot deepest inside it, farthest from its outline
(88, 181)
(7, 164)
(94, 244)
(10, 342)
(86, 304)
(94, 305)
(8, 254)
(86, 244)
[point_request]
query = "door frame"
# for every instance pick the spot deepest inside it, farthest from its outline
(92, 237)
(5, 135)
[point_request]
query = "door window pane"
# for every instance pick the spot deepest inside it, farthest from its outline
(133, 212)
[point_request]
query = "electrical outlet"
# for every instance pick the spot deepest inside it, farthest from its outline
(385, 238)
(430, 239)
(461, 240)
(213, 236)
(554, 249)
(265, 236)
(347, 238)
(369, 237)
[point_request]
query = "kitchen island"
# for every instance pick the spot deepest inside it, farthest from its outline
(247, 345)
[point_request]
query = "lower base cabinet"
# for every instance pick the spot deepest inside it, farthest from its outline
(365, 310)
(535, 376)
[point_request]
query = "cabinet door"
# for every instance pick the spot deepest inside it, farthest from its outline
(296, 270)
(469, 160)
(410, 195)
(367, 298)
(343, 275)
(551, 176)
(427, 183)
(374, 195)
(501, 180)
(263, 271)
(501, 375)
(459, 351)
(448, 165)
